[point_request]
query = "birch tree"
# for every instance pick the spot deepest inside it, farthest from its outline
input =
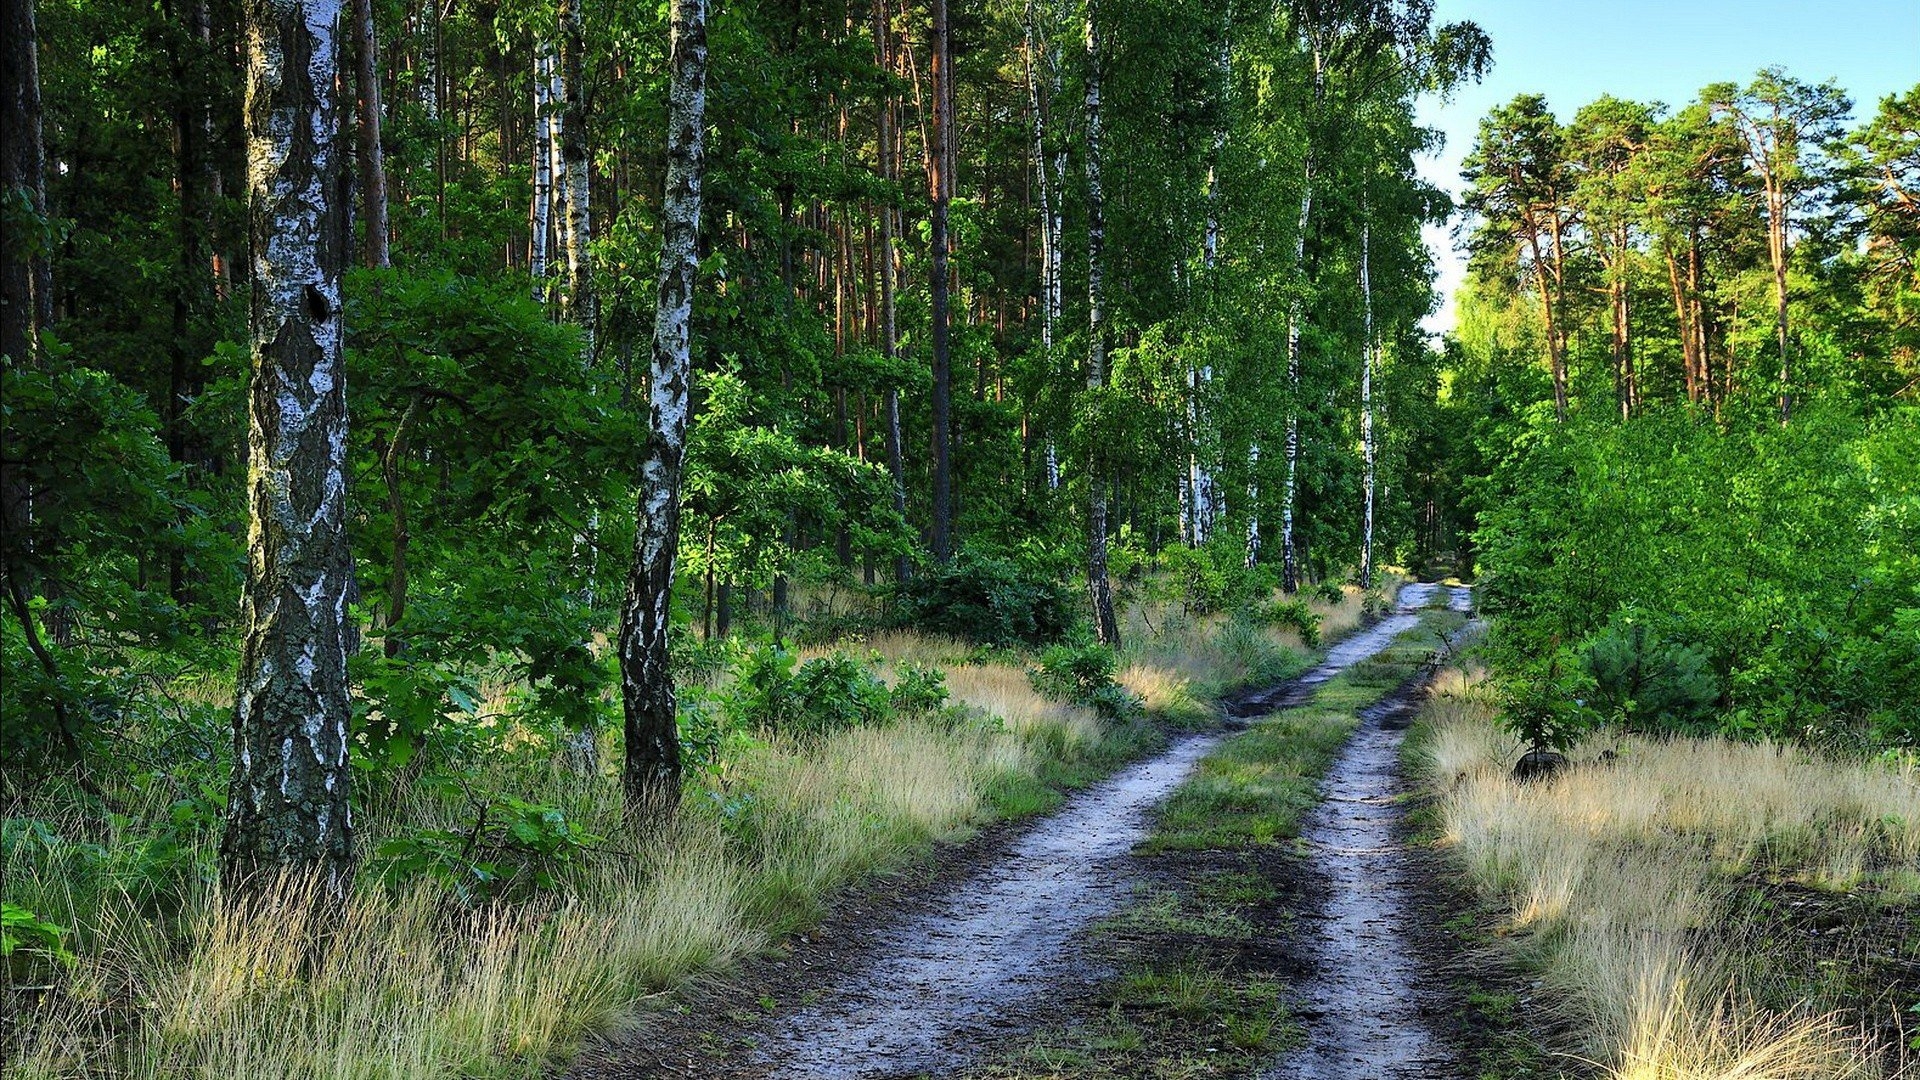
(289, 804)
(652, 771)
(581, 305)
(540, 216)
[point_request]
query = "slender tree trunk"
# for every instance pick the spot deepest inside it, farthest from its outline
(26, 295)
(940, 185)
(1777, 249)
(1366, 399)
(373, 167)
(581, 304)
(1556, 360)
(395, 643)
(1296, 313)
(1682, 316)
(889, 325)
(540, 217)
(1099, 584)
(1200, 483)
(652, 772)
(289, 806)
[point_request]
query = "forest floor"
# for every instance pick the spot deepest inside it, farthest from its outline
(1120, 936)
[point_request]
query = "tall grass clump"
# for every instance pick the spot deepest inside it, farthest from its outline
(1619, 878)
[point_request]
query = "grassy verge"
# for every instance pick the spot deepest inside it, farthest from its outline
(1204, 953)
(158, 977)
(1694, 909)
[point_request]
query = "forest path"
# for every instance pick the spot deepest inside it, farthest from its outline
(986, 953)
(1364, 1014)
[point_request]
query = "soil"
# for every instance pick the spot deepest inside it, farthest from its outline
(929, 971)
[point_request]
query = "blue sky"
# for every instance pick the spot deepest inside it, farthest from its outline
(1660, 50)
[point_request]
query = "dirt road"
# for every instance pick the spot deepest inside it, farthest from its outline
(1004, 938)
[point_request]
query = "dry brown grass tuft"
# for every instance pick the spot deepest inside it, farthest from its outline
(1616, 877)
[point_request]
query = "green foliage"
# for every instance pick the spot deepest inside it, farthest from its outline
(1083, 674)
(1646, 683)
(511, 848)
(1543, 706)
(1795, 586)
(987, 599)
(918, 691)
(1293, 615)
(825, 694)
(26, 938)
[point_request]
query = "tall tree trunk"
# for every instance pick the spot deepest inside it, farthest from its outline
(1683, 323)
(652, 772)
(581, 304)
(289, 805)
(540, 215)
(1296, 313)
(1366, 398)
(889, 324)
(26, 293)
(193, 292)
(1777, 250)
(1555, 298)
(1202, 505)
(940, 188)
(1099, 584)
(1039, 104)
(373, 166)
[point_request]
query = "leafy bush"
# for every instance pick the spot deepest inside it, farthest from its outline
(1328, 592)
(1293, 615)
(919, 691)
(986, 599)
(1083, 674)
(823, 695)
(1646, 683)
(512, 848)
(27, 940)
(1545, 709)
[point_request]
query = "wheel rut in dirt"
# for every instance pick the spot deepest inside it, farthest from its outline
(1366, 1006)
(986, 957)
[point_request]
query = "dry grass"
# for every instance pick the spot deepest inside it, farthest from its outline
(1616, 878)
(416, 986)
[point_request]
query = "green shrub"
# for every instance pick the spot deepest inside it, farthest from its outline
(986, 599)
(511, 848)
(1329, 592)
(1646, 683)
(919, 691)
(1083, 674)
(1545, 708)
(823, 695)
(1294, 615)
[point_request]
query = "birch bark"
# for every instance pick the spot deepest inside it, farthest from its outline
(652, 770)
(288, 807)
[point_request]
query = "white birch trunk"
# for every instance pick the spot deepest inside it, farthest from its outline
(652, 771)
(1366, 400)
(1289, 554)
(578, 302)
(540, 218)
(288, 805)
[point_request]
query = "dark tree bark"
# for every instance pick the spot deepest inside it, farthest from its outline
(940, 188)
(652, 772)
(372, 162)
(26, 283)
(288, 808)
(1099, 584)
(889, 324)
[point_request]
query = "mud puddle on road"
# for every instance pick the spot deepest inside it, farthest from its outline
(991, 951)
(1363, 1005)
